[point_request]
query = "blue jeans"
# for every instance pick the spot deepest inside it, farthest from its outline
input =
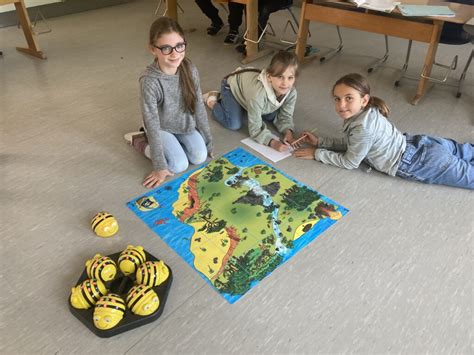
(228, 112)
(182, 149)
(435, 160)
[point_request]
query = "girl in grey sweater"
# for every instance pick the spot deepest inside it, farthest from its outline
(370, 137)
(175, 120)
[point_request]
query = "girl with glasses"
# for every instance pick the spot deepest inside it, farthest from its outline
(176, 129)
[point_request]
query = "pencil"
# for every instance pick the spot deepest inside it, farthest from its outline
(303, 136)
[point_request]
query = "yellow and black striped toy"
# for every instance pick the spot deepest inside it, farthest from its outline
(104, 224)
(142, 300)
(152, 273)
(130, 259)
(85, 295)
(101, 268)
(109, 311)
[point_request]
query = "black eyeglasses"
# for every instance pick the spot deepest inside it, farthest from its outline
(166, 50)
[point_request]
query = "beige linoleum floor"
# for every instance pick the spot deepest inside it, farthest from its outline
(393, 276)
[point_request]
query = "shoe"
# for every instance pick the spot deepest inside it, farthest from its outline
(241, 48)
(231, 37)
(214, 28)
(210, 97)
(130, 137)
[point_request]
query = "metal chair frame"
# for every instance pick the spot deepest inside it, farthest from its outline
(440, 80)
(38, 17)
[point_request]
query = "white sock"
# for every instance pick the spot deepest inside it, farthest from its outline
(147, 152)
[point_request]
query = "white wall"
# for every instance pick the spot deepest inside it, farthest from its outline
(28, 3)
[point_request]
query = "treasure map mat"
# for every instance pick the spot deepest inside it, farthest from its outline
(236, 219)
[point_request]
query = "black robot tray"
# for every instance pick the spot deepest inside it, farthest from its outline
(115, 306)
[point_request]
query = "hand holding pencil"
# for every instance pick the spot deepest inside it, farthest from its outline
(306, 137)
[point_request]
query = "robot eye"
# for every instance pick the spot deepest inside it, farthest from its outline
(146, 307)
(107, 319)
(155, 299)
(97, 319)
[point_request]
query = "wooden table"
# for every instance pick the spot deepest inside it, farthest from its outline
(253, 53)
(426, 30)
(33, 48)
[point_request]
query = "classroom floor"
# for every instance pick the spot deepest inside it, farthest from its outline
(393, 276)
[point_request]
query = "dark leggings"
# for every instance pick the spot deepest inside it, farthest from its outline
(265, 8)
(210, 11)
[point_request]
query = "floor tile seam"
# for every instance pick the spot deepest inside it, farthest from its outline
(164, 319)
(82, 119)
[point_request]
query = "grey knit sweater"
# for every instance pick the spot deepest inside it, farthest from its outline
(368, 137)
(162, 107)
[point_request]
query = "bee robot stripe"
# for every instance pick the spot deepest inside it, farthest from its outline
(95, 223)
(91, 296)
(141, 292)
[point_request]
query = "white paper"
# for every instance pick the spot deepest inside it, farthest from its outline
(266, 151)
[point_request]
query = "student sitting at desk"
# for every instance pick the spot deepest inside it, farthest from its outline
(370, 137)
(263, 96)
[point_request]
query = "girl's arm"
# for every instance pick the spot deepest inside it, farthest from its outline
(258, 130)
(149, 99)
(202, 122)
(284, 120)
(359, 143)
(335, 144)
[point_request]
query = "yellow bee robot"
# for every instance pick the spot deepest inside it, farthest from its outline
(85, 295)
(109, 311)
(142, 300)
(152, 273)
(130, 259)
(104, 224)
(101, 268)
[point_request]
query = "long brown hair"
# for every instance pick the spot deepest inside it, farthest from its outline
(360, 83)
(165, 25)
(281, 61)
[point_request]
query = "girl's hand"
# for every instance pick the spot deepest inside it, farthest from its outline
(156, 177)
(288, 137)
(304, 153)
(310, 138)
(277, 145)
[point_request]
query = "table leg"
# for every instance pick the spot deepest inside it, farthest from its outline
(172, 9)
(302, 33)
(33, 48)
(252, 33)
(429, 59)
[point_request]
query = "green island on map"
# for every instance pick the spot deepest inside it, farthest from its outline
(245, 220)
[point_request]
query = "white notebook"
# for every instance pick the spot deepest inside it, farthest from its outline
(266, 151)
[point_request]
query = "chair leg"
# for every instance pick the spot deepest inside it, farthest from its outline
(261, 35)
(289, 24)
(164, 13)
(405, 65)
(463, 75)
(379, 61)
(334, 51)
(292, 14)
